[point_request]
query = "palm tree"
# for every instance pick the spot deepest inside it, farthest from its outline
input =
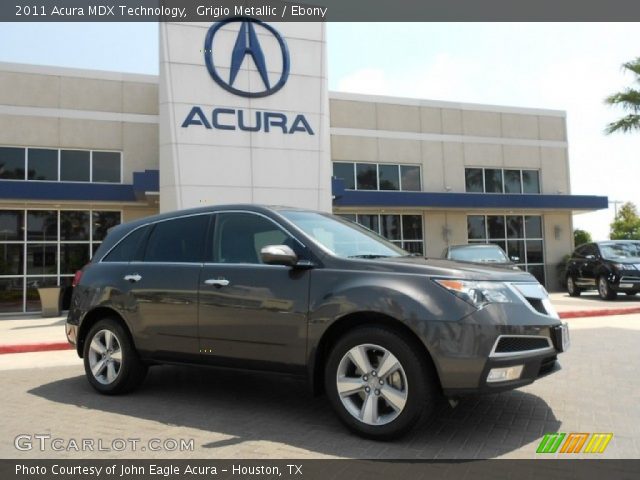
(629, 100)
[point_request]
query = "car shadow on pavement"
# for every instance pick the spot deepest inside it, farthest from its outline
(229, 408)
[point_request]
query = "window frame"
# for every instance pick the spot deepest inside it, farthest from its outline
(502, 170)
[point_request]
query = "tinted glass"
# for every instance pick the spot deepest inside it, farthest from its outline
(11, 225)
(389, 177)
(106, 167)
(43, 164)
(178, 240)
(369, 221)
(11, 295)
(73, 256)
(515, 248)
(533, 226)
(42, 259)
(530, 181)
(476, 227)
(102, 222)
(492, 180)
(534, 251)
(12, 163)
(345, 171)
(33, 284)
(390, 226)
(496, 226)
(512, 181)
(515, 226)
(239, 237)
(348, 216)
(126, 250)
(412, 227)
(537, 271)
(74, 166)
(42, 225)
(74, 225)
(367, 176)
(621, 250)
(473, 180)
(410, 178)
(11, 259)
(413, 247)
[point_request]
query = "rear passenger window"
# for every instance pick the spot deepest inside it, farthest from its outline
(125, 251)
(179, 240)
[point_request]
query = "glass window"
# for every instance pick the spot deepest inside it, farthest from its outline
(11, 294)
(515, 227)
(33, 284)
(390, 227)
(414, 247)
(512, 182)
(473, 180)
(538, 272)
(410, 178)
(106, 167)
(345, 171)
(126, 250)
(534, 251)
(239, 237)
(178, 240)
(11, 225)
(367, 176)
(369, 221)
(389, 177)
(42, 259)
(11, 259)
(492, 180)
(412, 227)
(476, 227)
(12, 163)
(515, 248)
(42, 225)
(102, 222)
(496, 226)
(530, 181)
(533, 226)
(43, 164)
(73, 256)
(74, 166)
(352, 217)
(74, 225)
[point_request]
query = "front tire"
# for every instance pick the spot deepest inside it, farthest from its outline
(604, 289)
(572, 288)
(111, 362)
(379, 383)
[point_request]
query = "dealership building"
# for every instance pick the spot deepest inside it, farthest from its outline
(241, 113)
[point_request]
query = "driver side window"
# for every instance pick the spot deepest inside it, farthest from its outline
(239, 237)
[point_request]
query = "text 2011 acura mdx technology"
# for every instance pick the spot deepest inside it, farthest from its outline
(382, 332)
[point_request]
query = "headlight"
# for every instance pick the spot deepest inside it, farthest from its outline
(624, 266)
(476, 293)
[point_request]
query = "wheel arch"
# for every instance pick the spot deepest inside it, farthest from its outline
(94, 316)
(355, 320)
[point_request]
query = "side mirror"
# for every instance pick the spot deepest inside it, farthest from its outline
(515, 259)
(278, 255)
(590, 257)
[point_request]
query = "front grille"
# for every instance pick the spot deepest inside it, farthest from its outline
(630, 280)
(520, 344)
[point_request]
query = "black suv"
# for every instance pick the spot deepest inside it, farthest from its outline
(383, 332)
(610, 267)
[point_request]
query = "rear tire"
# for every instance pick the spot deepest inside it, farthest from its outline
(380, 405)
(572, 288)
(604, 289)
(111, 362)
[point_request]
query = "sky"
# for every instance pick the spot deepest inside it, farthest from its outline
(562, 66)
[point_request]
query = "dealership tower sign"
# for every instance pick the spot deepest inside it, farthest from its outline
(243, 114)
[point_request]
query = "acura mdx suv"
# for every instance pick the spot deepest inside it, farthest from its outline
(384, 333)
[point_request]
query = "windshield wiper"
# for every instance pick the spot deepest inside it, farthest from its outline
(368, 255)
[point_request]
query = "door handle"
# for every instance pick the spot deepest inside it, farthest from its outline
(217, 282)
(133, 278)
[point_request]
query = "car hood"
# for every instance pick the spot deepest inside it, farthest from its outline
(450, 268)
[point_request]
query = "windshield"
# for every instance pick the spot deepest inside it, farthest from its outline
(342, 237)
(621, 251)
(492, 254)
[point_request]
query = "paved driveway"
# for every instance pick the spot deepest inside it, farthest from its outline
(240, 415)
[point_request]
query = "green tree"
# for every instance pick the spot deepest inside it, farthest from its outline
(626, 225)
(629, 100)
(581, 236)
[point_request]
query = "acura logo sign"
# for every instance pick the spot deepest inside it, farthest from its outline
(247, 44)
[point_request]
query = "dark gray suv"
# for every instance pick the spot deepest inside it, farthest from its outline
(384, 333)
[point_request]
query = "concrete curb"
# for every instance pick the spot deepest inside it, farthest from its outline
(35, 347)
(602, 312)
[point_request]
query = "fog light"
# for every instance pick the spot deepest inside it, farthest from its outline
(504, 374)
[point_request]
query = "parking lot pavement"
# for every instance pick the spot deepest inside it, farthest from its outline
(244, 415)
(591, 301)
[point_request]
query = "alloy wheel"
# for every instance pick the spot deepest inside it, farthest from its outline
(372, 384)
(105, 356)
